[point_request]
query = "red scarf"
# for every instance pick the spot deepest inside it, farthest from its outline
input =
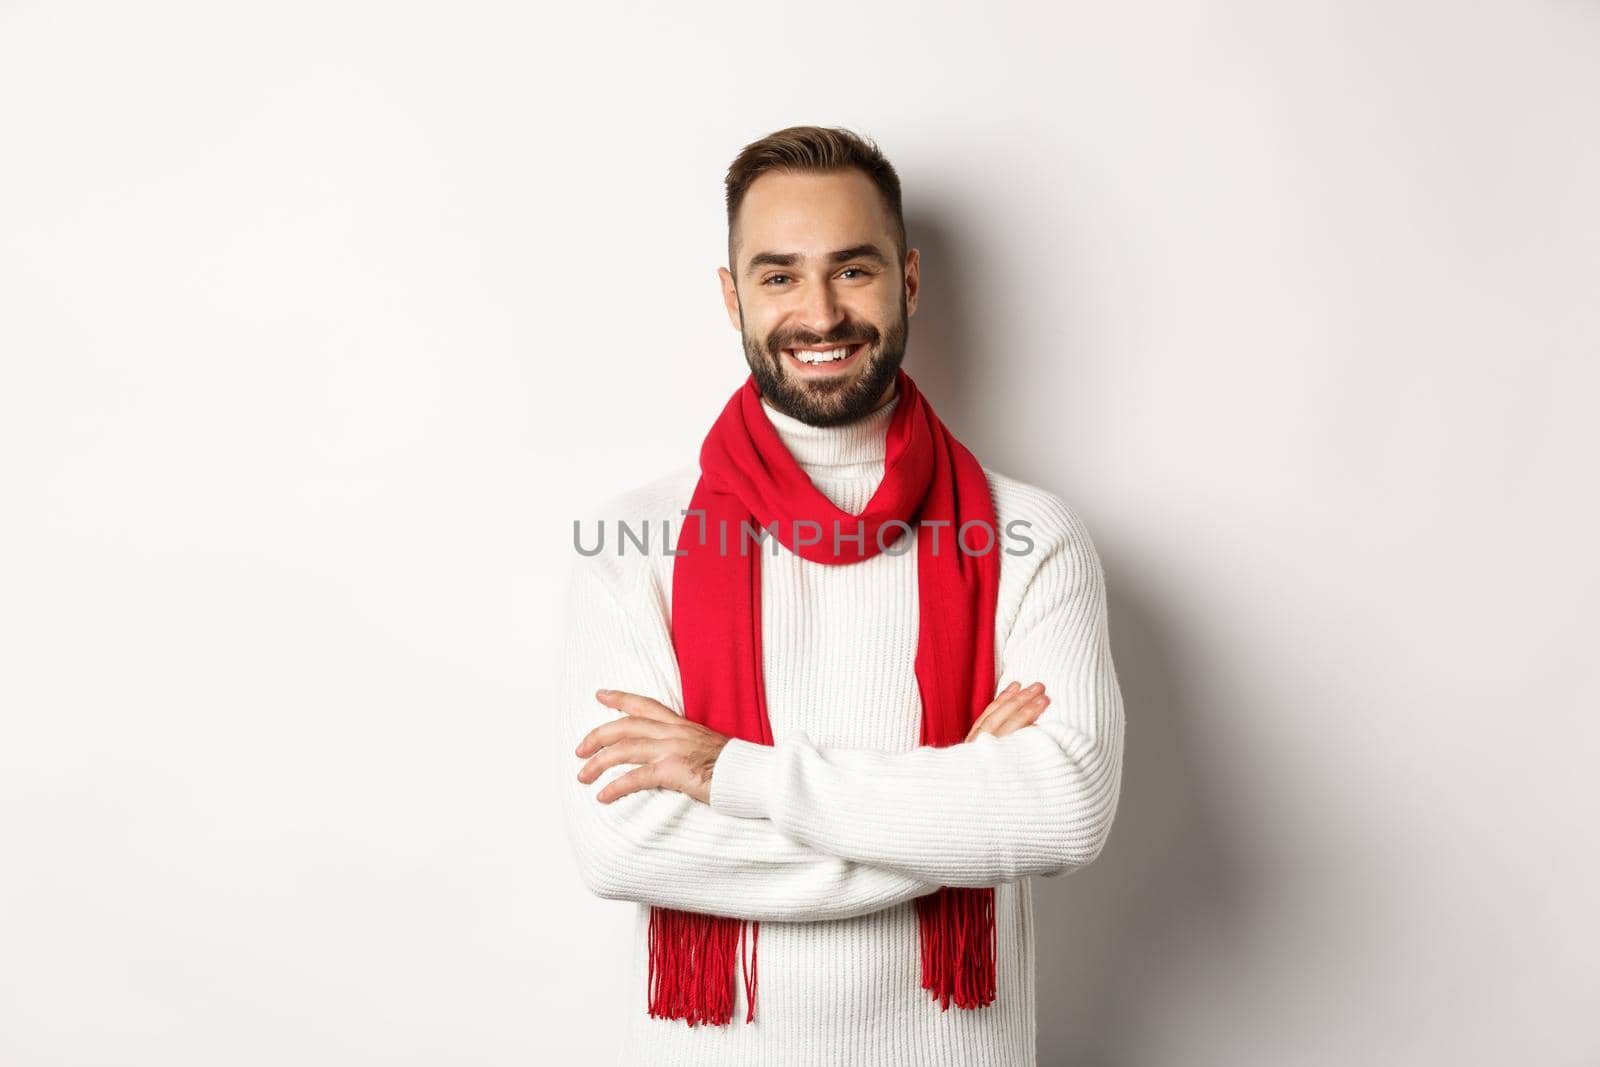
(748, 480)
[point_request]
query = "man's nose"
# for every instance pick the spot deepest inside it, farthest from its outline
(821, 312)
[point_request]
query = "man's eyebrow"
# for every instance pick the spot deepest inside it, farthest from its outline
(789, 259)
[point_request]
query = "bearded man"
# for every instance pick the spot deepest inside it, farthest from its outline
(865, 687)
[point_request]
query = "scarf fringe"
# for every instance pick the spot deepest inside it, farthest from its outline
(958, 946)
(692, 972)
(692, 966)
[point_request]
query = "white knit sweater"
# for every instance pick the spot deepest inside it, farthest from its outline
(828, 836)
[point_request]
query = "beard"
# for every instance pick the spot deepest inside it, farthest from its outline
(830, 401)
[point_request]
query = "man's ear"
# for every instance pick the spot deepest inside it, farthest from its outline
(730, 298)
(913, 280)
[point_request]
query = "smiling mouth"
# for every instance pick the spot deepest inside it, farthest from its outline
(821, 359)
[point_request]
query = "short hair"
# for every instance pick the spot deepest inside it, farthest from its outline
(813, 150)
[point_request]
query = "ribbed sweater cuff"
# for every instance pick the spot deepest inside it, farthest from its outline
(740, 777)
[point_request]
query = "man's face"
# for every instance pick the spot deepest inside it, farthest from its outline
(817, 269)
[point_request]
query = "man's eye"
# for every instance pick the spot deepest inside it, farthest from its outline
(862, 271)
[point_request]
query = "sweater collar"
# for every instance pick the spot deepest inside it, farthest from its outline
(850, 444)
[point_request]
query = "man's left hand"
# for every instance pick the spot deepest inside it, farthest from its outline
(672, 752)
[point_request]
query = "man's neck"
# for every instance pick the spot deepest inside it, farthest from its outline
(888, 395)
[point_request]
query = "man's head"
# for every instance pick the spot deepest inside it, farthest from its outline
(817, 260)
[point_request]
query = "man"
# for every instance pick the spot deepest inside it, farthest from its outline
(835, 748)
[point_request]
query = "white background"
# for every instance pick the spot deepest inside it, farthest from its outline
(321, 322)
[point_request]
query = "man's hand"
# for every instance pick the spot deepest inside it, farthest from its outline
(1011, 710)
(672, 752)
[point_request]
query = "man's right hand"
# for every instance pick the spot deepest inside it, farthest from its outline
(1011, 710)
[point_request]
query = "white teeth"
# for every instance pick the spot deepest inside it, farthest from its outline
(821, 357)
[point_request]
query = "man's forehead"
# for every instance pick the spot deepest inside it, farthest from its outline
(811, 215)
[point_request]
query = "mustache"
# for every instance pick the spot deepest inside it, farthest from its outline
(853, 337)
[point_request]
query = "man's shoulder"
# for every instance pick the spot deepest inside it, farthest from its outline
(1042, 532)
(1049, 554)
(1044, 514)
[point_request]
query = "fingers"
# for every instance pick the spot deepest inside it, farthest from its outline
(1000, 705)
(1013, 703)
(1025, 714)
(640, 750)
(645, 777)
(1000, 698)
(620, 729)
(669, 772)
(636, 710)
(634, 704)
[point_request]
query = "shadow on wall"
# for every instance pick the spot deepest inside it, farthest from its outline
(936, 337)
(1110, 936)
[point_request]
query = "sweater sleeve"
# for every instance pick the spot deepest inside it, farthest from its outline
(1038, 801)
(658, 846)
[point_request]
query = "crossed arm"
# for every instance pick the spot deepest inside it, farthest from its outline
(797, 832)
(661, 846)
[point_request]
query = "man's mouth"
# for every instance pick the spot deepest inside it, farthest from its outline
(821, 359)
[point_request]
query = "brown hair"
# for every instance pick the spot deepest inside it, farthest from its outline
(813, 149)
